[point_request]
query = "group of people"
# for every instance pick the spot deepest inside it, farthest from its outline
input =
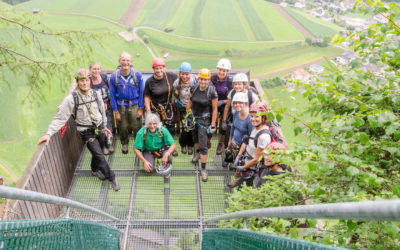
(201, 104)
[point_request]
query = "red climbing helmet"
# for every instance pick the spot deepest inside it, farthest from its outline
(158, 62)
(260, 106)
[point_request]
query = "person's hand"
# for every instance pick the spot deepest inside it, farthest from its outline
(148, 112)
(213, 129)
(165, 158)
(147, 166)
(139, 113)
(240, 168)
(117, 116)
(107, 131)
(223, 125)
(45, 138)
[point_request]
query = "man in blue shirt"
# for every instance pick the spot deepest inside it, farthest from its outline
(126, 94)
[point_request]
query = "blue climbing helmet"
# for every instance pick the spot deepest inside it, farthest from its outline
(185, 67)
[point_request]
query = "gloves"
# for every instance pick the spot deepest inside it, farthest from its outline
(223, 125)
(220, 103)
(213, 129)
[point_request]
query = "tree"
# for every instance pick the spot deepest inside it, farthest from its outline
(308, 41)
(31, 50)
(354, 149)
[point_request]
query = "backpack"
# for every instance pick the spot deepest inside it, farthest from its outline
(250, 92)
(208, 90)
(133, 72)
(275, 135)
(77, 104)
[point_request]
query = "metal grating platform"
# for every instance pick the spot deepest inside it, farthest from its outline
(155, 213)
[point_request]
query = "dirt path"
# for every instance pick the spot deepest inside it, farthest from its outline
(132, 12)
(293, 21)
(288, 69)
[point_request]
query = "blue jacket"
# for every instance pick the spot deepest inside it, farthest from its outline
(132, 94)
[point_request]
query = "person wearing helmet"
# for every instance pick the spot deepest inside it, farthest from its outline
(252, 147)
(203, 104)
(154, 141)
(158, 94)
(182, 86)
(240, 84)
(126, 94)
(269, 167)
(87, 108)
(241, 127)
(223, 84)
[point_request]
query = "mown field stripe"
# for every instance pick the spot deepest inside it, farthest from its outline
(243, 20)
(259, 28)
(197, 20)
(279, 26)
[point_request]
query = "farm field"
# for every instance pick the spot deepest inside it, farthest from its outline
(316, 26)
(102, 8)
(259, 58)
(221, 20)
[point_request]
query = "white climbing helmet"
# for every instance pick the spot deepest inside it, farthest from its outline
(240, 97)
(240, 77)
(224, 63)
(164, 169)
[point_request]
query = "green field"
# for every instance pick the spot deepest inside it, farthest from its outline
(260, 58)
(104, 8)
(316, 26)
(221, 20)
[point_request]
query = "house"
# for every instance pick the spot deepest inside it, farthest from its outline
(284, 4)
(300, 5)
(345, 58)
(319, 12)
(301, 75)
(316, 68)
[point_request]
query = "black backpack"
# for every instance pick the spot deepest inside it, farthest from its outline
(250, 92)
(273, 132)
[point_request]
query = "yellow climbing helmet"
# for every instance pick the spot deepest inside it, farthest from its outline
(205, 73)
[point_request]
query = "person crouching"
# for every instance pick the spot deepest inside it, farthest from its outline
(154, 141)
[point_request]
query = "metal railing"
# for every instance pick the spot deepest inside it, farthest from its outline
(26, 195)
(385, 210)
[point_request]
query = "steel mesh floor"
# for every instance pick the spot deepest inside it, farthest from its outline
(155, 213)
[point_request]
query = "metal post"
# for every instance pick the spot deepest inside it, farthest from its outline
(166, 211)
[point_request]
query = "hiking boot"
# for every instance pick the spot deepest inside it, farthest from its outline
(190, 150)
(115, 185)
(204, 175)
(174, 153)
(225, 164)
(196, 157)
(220, 148)
(125, 148)
(234, 182)
(99, 175)
(106, 151)
(183, 149)
(111, 149)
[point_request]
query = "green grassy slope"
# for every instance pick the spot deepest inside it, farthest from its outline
(105, 8)
(222, 20)
(260, 58)
(316, 26)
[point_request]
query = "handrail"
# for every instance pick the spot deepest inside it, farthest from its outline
(20, 194)
(385, 210)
